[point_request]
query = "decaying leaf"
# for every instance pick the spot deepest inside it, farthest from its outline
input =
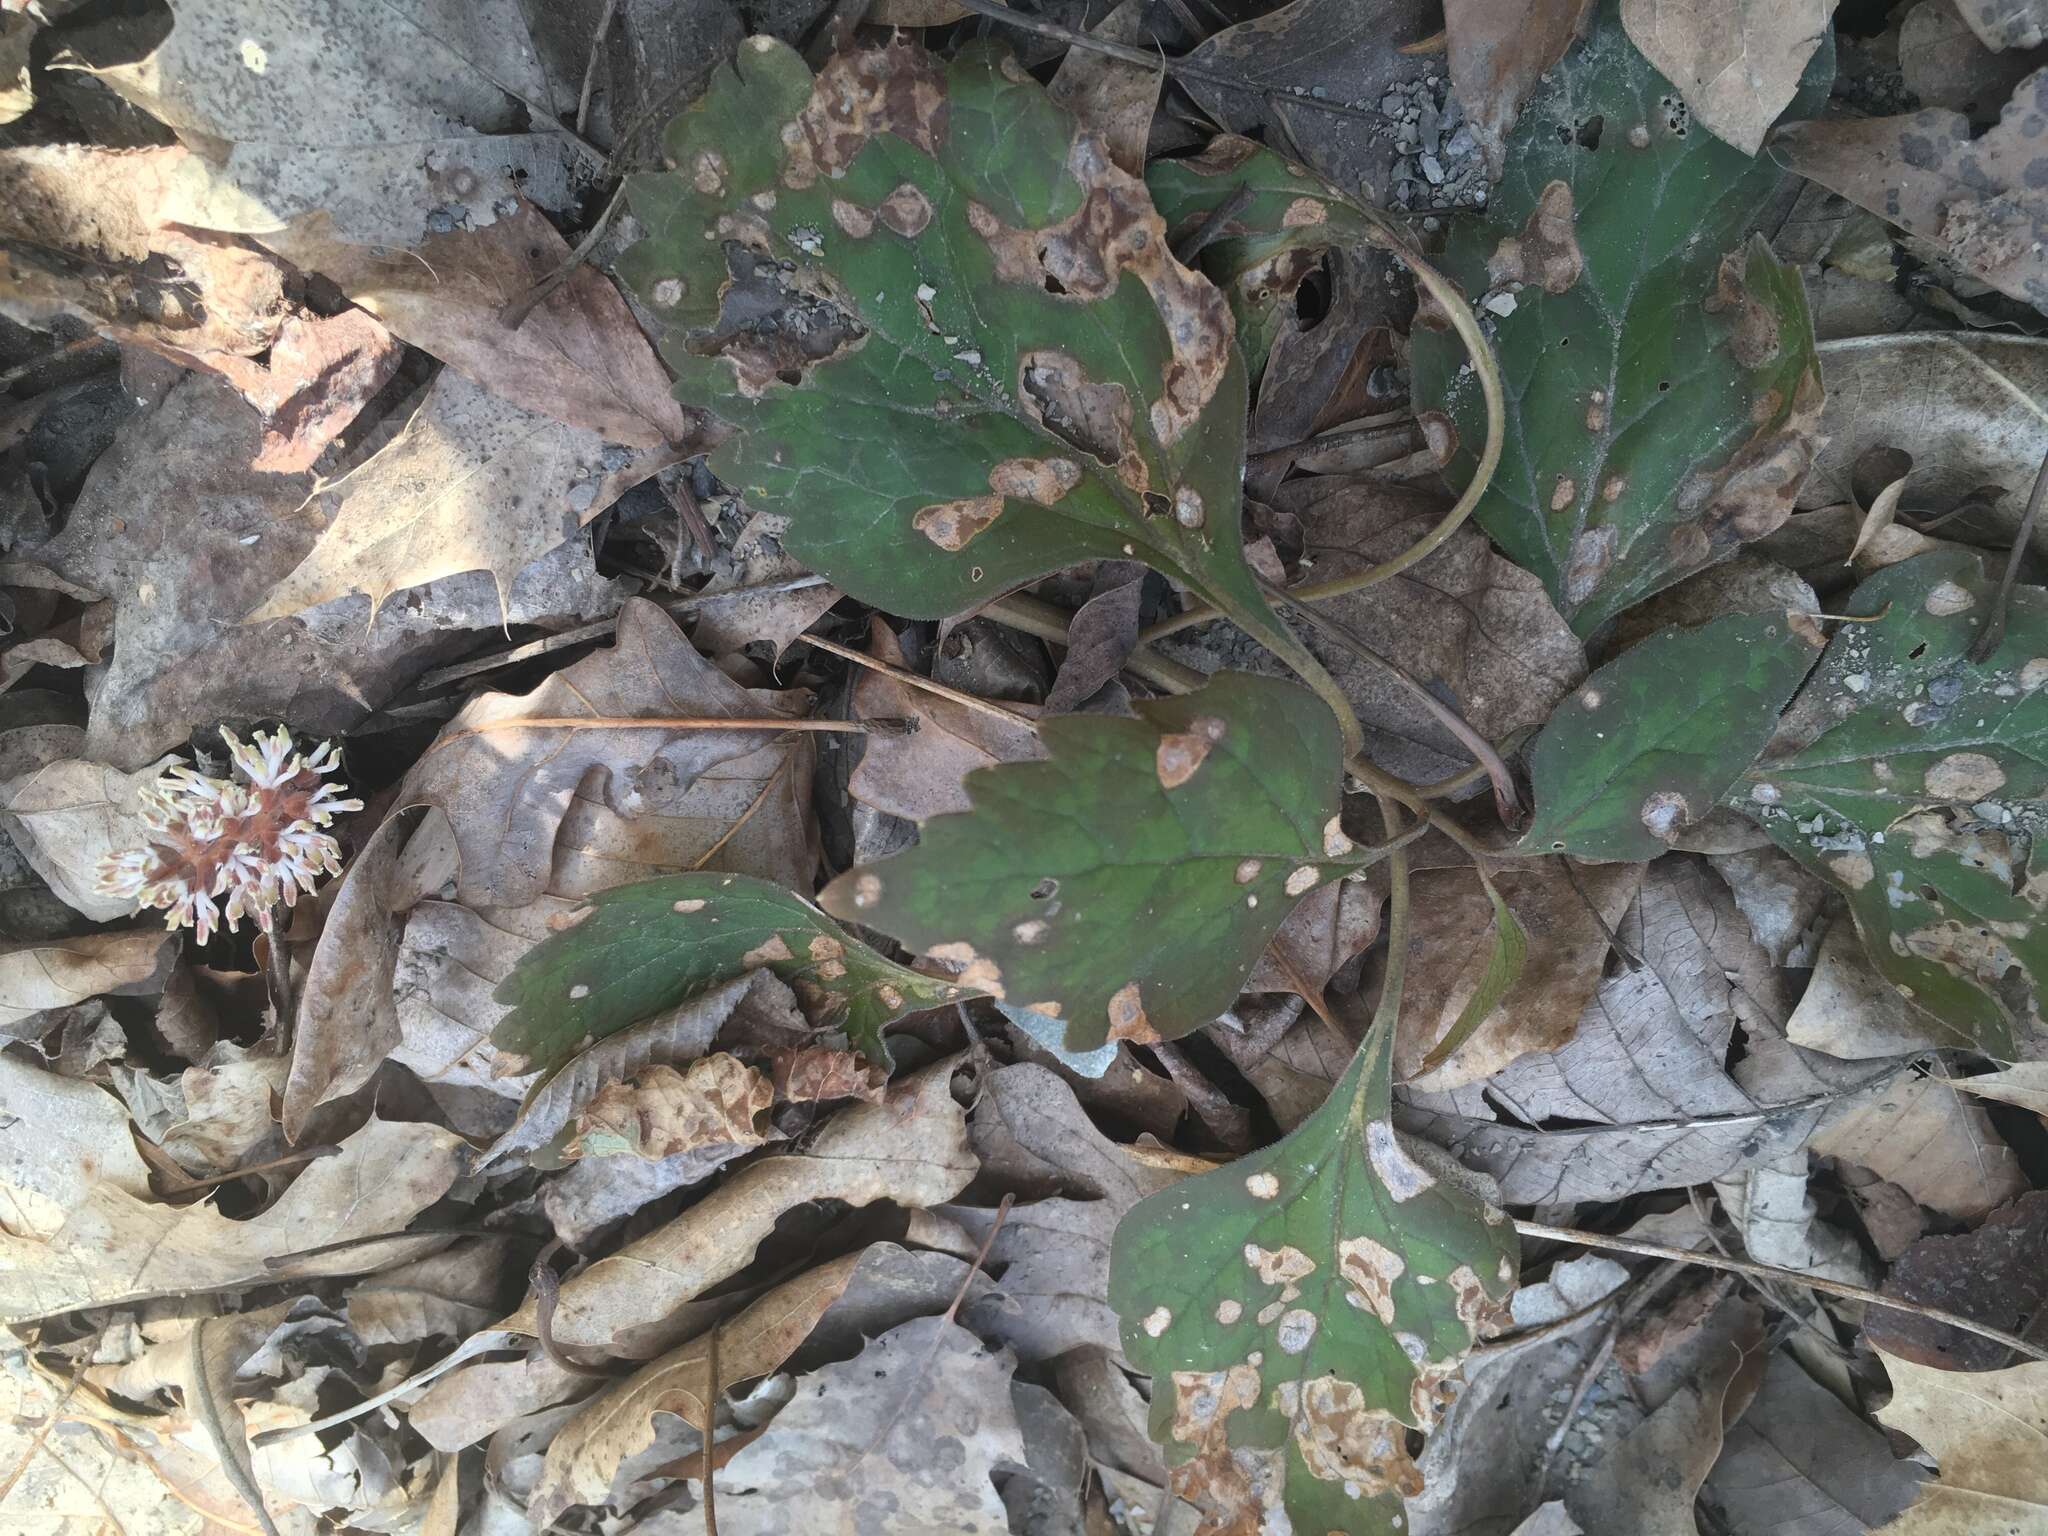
(1988, 1430)
(661, 1111)
(1736, 63)
(1978, 198)
(1662, 389)
(901, 1438)
(585, 1456)
(118, 1248)
(635, 950)
(505, 768)
(942, 251)
(1908, 775)
(818, 1073)
(1650, 743)
(35, 977)
(473, 483)
(1301, 1308)
(1127, 884)
(911, 1149)
(1995, 1274)
(58, 1139)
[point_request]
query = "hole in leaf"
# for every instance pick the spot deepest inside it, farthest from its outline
(1917, 652)
(1589, 132)
(1929, 893)
(1663, 386)
(1046, 889)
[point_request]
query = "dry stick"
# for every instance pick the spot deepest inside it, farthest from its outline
(456, 672)
(604, 25)
(1994, 631)
(654, 723)
(1198, 239)
(1466, 324)
(547, 1290)
(1182, 69)
(925, 684)
(1755, 1271)
(711, 1395)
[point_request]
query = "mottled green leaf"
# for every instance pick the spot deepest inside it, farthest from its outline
(1649, 743)
(634, 950)
(1282, 220)
(949, 330)
(1912, 778)
(1126, 884)
(1662, 386)
(1300, 1308)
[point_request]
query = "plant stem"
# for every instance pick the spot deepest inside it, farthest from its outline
(1994, 630)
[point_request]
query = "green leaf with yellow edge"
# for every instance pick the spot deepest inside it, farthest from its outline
(1279, 220)
(1126, 884)
(1650, 742)
(634, 950)
(949, 331)
(1301, 1308)
(1663, 392)
(1913, 779)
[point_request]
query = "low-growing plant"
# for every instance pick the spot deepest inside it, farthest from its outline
(958, 351)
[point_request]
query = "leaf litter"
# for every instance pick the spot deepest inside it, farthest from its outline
(860, 997)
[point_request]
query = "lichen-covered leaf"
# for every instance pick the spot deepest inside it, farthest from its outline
(1284, 220)
(1661, 382)
(1127, 884)
(1301, 1308)
(949, 329)
(1912, 779)
(637, 949)
(1647, 746)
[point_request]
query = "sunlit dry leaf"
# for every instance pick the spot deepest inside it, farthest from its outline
(1988, 1433)
(662, 1111)
(1736, 63)
(59, 1138)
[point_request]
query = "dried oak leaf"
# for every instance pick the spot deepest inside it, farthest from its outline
(660, 1111)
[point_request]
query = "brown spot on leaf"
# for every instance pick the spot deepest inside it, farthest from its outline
(1564, 493)
(1753, 335)
(1853, 869)
(1116, 230)
(971, 967)
(906, 210)
(1945, 599)
(771, 950)
(1370, 1268)
(1665, 814)
(1965, 776)
(1403, 1177)
(1592, 553)
(1342, 1441)
(859, 94)
(867, 890)
(1546, 252)
(1127, 1019)
(1238, 1491)
(952, 525)
(565, 920)
(691, 905)
(1438, 436)
(1304, 213)
(1752, 493)
(1179, 754)
(857, 221)
(1246, 872)
(1095, 418)
(1301, 880)
(1335, 844)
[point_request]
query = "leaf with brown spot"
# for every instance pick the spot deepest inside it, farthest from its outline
(949, 330)
(1126, 885)
(1736, 63)
(1906, 774)
(1300, 1309)
(1662, 401)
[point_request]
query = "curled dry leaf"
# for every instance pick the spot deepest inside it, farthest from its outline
(37, 977)
(585, 1454)
(911, 1149)
(117, 1248)
(818, 1073)
(660, 1111)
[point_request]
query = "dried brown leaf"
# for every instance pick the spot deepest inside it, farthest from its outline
(1499, 51)
(1736, 63)
(661, 1112)
(818, 1073)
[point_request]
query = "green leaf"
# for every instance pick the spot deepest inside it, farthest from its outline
(1662, 400)
(634, 950)
(1912, 779)
(1649, 742)
(1300, 1307)
(1284, 219)
(949, 330)
(1126, 884)
(1503, 970)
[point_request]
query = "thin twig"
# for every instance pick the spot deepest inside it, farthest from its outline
(440, 677)
(514, 314)
(651, 723)
(1615, 942)
(604, 25)
(981, 1256)
(1994, 628)
(1755, 1271)
(684, 500)
(1198, 239)
(924, 684)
